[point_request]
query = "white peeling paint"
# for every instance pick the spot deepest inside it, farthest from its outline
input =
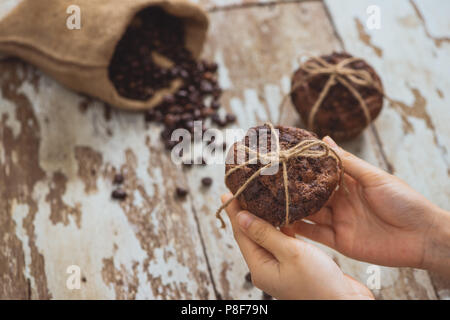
(224, 79)
(6, 6)
(19, 212)
(9, 110)
(273, 100)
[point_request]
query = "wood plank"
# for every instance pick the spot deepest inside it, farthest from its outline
(58, 154)
(411, 53)
(59, 151)
(257, 50)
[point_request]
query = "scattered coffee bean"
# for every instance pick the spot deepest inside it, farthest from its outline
(248, 277)
(215, 105)
(230, 118)
(207, 181)
(266, 296)
(201, 161)
(118, 178)
(119, 194)
(218, 120)
(181, 192)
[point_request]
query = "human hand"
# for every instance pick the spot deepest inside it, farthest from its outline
(286, 267)
(378, 219)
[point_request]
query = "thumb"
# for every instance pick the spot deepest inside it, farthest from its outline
(265, 235)
(358, 169)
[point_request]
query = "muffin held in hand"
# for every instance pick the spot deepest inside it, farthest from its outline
(311, 180)
(340, 115)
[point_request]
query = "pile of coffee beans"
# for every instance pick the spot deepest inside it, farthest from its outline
(132, 68)
(136, 75)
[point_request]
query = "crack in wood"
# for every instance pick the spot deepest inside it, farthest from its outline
(246, 5)
(438, 41)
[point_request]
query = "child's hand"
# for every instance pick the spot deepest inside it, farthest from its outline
(289, 268)
(379, 220)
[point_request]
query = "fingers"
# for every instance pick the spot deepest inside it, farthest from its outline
(360, 170)
(316, 232)
(252, 232)
(256, 257)
(266, 235)
(322, 217)
(360, 291)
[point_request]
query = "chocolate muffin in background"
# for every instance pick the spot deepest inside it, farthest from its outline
(312, 181)
(340, 115)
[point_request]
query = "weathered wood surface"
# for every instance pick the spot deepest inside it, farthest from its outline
(411, 52)
(59, 152)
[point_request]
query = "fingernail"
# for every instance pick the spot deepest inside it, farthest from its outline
(330, 142)
(245, 219)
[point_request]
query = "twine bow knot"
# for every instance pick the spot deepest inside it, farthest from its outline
(306, 148)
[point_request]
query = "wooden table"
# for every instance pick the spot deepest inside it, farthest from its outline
(59, 152)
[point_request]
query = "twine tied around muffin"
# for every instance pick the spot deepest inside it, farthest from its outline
(339, 73)
(305, 148)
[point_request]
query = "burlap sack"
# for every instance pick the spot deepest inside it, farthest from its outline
(36, 31)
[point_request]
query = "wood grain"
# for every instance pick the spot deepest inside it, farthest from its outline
(59, 152)
(410, 52)
(257, 49)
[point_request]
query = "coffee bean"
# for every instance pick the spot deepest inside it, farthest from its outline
(187, 116)
(207, 181)
(207, 112)
(212, 66)
(205, 86)
(266, 296)
(230, 118)
(215, 118)
(150, 115)
(182, 93)
(119, 194)
(197, 114)
(222, 123)
(248, 277)
(169, 99)
(181, 192)
(215, 105)
(170, 120)
(176, 109)
(184, 74)
(208, 76)
(118, 178)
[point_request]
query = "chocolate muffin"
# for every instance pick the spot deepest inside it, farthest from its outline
(340, 115)
(311, 181)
